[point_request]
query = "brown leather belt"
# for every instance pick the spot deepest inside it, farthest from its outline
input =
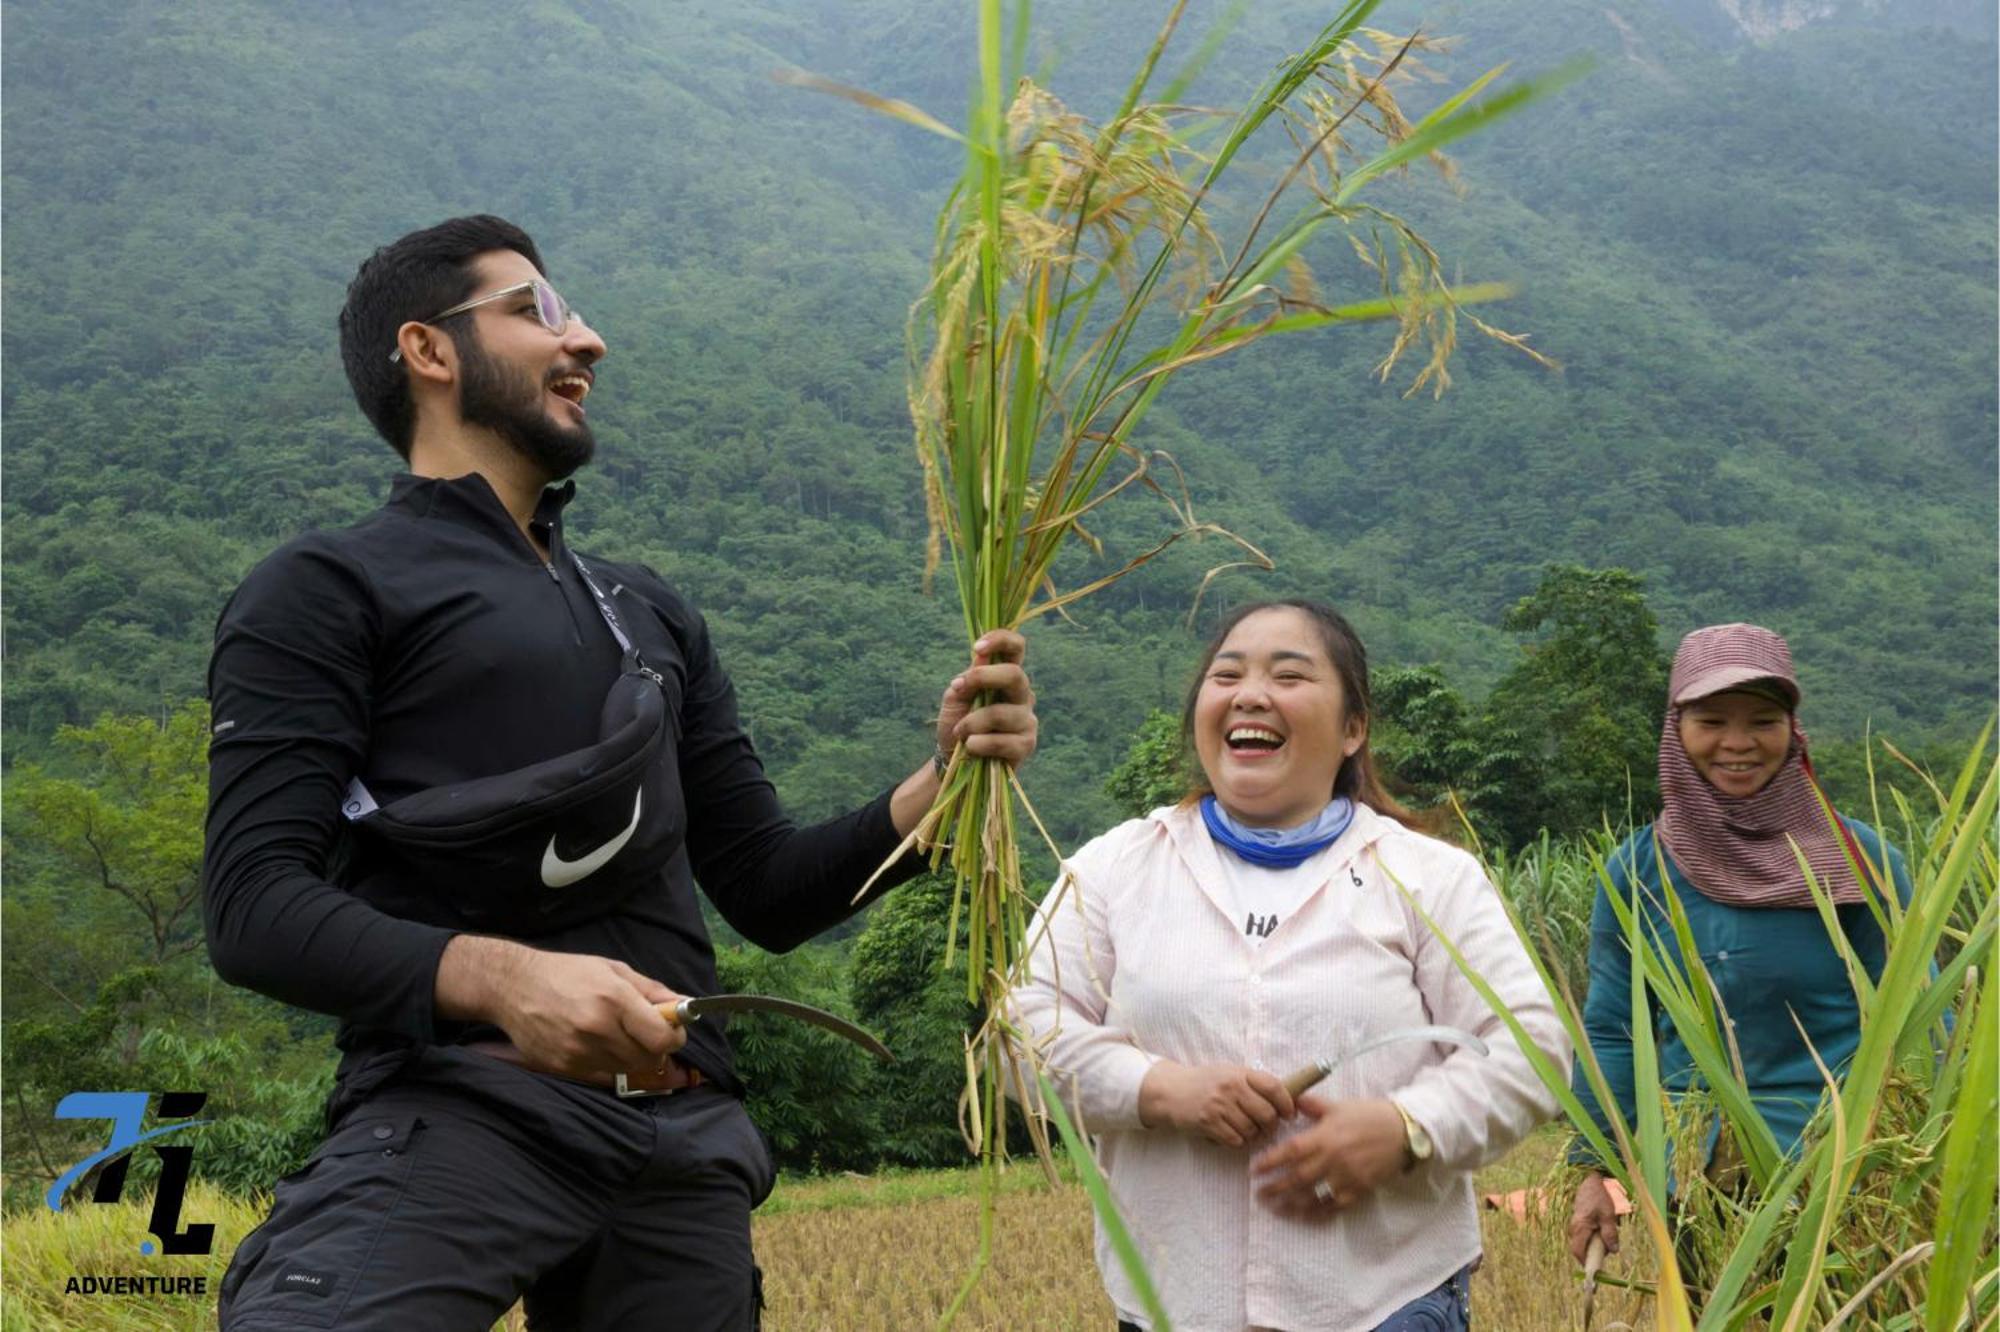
(665, 1080)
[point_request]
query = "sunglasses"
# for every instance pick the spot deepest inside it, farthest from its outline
(551, 309)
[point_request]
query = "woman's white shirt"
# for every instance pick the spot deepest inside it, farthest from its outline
(1142, 952)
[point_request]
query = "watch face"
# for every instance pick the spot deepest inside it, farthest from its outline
(1413, 1133)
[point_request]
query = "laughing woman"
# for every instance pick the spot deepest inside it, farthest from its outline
(1202, 953)
(1739, 808)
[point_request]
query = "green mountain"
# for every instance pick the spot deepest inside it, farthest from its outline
(1765, 260)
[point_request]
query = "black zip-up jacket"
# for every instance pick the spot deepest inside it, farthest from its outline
(430, 644)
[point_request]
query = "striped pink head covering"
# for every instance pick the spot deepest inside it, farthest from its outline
(1739, 849)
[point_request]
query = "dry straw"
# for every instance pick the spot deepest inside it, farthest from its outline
(1077, 268)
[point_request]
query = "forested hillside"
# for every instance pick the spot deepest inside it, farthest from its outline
(1767, 270)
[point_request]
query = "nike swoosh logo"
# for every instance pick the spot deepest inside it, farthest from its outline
(560, 873)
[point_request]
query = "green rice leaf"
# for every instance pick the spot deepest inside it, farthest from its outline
(888, 106)
(1106, 1209)
(1971, 1162)
(1836, 933)
(1449, 106)
(1968, 773)
(1798, 1293)
(1433, 135)
(1390, 307)
(1675, 987)
(1647, 1105)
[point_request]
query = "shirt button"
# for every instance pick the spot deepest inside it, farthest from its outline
(1722, 956)
(384, 1131)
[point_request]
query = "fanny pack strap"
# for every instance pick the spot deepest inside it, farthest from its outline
(604, 606)
(356, 803)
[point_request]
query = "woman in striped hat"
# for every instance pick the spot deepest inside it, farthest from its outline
(1741, 808)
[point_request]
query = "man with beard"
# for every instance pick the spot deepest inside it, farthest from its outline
(462, 782)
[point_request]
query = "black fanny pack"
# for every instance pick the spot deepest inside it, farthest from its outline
(549, 845)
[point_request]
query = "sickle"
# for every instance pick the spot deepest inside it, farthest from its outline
(693, 1010)
(1310, 1075)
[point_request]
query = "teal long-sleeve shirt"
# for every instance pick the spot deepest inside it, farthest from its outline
(1768, 963)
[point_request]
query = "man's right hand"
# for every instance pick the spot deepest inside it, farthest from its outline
(1225, 1103)
(571, 1014)
(1593, 1214)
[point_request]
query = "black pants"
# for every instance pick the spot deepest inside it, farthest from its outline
(465, 1184)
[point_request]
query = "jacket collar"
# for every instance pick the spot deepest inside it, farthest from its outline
(470, 501)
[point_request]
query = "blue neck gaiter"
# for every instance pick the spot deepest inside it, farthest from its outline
(1278, 848)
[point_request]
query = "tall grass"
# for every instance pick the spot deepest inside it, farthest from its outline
(1551, 885)
(1077, 268)
(1884, 1216)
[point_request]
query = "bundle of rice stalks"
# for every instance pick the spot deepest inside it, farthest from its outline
(1078, 267)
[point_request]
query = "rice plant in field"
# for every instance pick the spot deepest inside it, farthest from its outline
(1077, 268)
(1884, 1216)
(1550, 885)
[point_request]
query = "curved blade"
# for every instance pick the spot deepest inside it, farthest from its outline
(1434, 1034)
(1310, 1075)
(690, 1010)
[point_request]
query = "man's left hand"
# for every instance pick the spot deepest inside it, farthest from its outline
(1352, 1149)
(1004, 727)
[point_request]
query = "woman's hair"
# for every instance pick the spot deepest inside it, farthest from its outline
(1357, 779)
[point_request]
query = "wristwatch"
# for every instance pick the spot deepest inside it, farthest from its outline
(1415, 1140)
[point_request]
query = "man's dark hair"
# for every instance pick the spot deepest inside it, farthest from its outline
(412, 278)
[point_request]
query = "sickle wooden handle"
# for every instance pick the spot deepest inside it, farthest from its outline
(1304, 1080)
(1593, 1260)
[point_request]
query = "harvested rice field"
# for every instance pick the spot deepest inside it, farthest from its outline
(890, 1252)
